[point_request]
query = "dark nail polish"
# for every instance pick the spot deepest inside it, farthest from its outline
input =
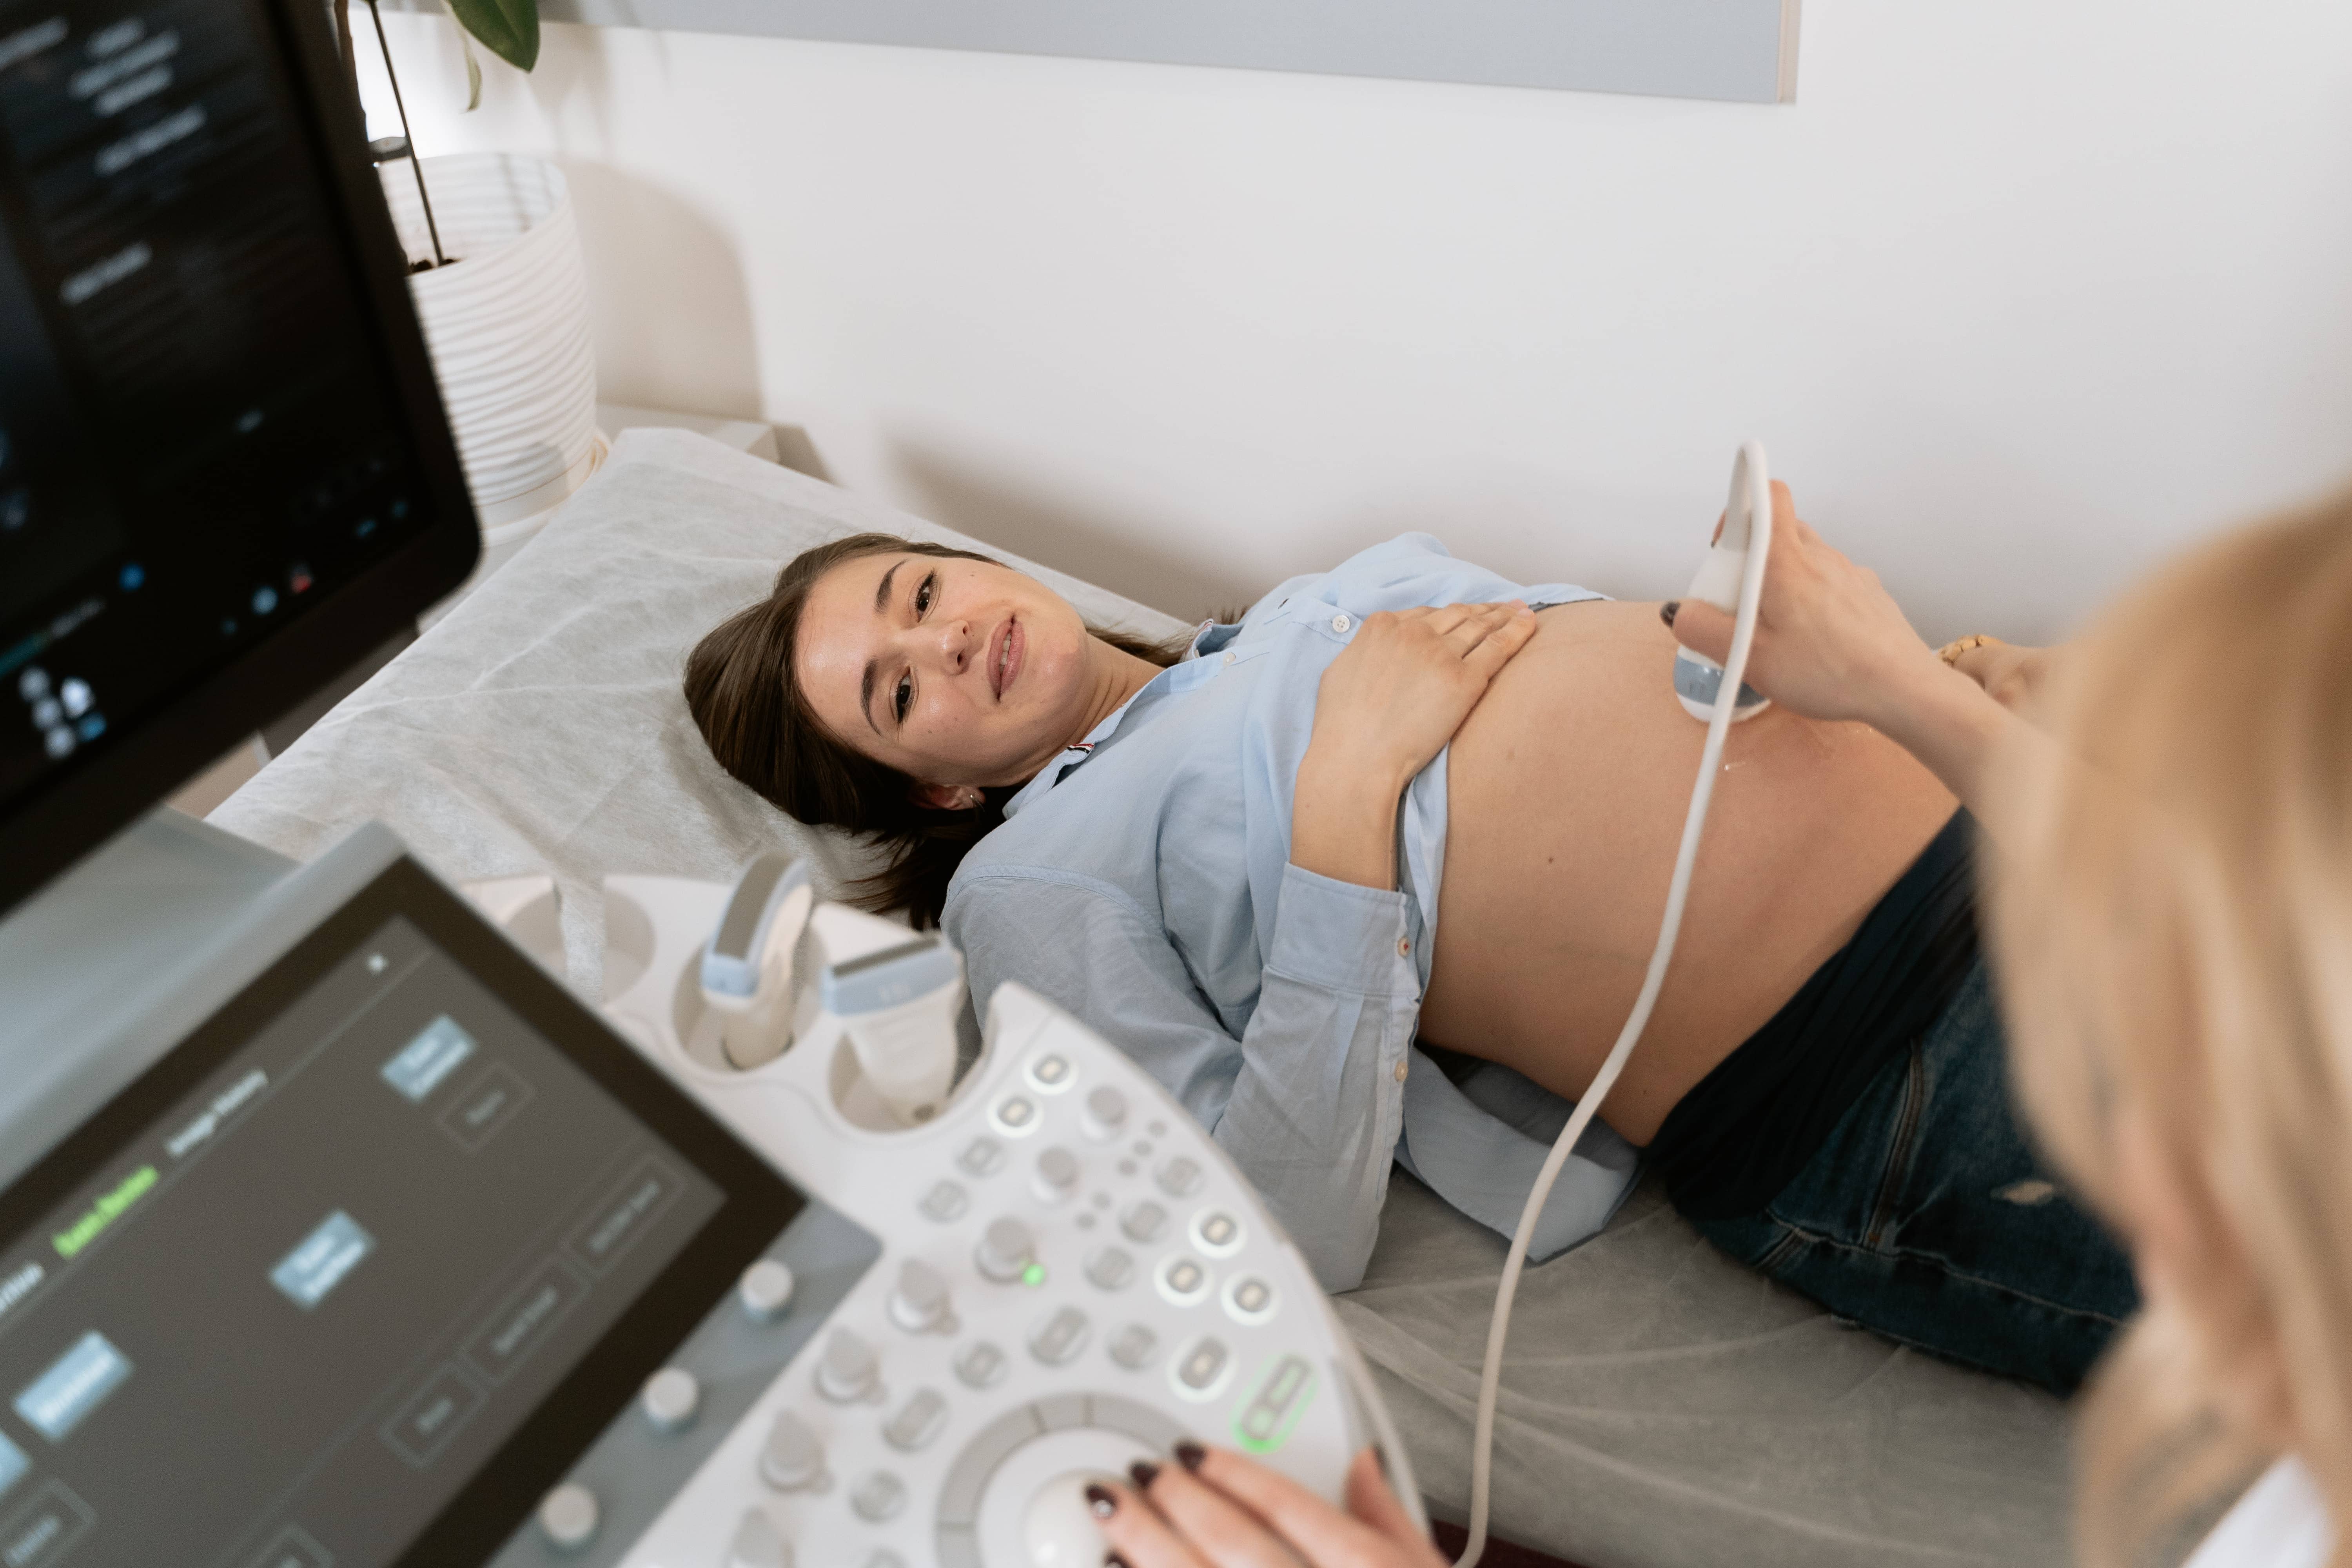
(1189, 1454)
(1143, 1470)
(1669, 610)
(1100, 1501)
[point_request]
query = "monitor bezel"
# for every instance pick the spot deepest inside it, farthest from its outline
(760, 1202)
(61, 819)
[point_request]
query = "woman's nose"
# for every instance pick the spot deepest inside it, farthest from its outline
(954, 641)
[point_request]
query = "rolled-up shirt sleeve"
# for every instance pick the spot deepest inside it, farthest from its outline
(1308, 1102)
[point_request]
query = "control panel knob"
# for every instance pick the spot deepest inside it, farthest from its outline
(848, 1372)
(1058, 1173)
(919, 1304)
(792, 1459)
(671, 1397)
(1006, 1250)
(758, 1543)
(766, 1290)
(1104, 1115)
(567, 1517)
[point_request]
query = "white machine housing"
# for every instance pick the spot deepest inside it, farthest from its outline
(1073, 1278)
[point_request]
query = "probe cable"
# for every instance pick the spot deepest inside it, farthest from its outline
(1758, 503)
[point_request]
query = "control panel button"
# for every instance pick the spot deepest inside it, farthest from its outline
(758, 1543)
(672, 1396)
(1202, 1369)
(766, 1290)
(1131, 1347)
(792, 1458)
(567, 1517)
(980, 1364)
(1216, 1233)
(1178, 1175)
(982, 1157)
(1105, 1114)
(1051, 1073)
(1060, 1336)
(1250, 1300)
(1183, 1279)
(1266, 1420)
(918, 1421)
(1143, 1221)
(848, 1371)
(1058, 1173)
(1111, 1268)
(945, 1202)
(878, 1497)
(1016, 1114)
(919, 1304)
(1006, 1250)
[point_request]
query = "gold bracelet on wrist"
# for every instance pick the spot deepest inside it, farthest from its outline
(1951, 651)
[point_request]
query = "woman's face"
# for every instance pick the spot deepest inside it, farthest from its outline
(954, 672)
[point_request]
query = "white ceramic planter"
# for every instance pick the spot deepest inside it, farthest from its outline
(508, 327)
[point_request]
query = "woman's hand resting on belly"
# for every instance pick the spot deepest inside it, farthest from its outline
(1388, 704)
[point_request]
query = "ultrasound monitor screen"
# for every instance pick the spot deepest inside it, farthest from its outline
(201, 437)
(370, 1223)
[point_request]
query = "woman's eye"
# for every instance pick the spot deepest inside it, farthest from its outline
(902, 698)
(923, 596)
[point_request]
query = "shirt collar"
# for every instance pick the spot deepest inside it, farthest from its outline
(1071, 756)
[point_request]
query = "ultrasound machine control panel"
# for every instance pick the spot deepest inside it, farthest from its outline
(389, 1250)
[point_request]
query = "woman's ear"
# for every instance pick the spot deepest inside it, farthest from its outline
(949, 797)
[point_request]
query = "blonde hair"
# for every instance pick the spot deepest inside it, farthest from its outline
(2171, 919)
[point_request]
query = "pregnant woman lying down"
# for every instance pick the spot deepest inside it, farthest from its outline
(1362, 876)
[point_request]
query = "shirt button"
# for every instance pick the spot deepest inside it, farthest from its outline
(1341, 623)
(1400, 1070)
(1404, 947)
(1229, 658)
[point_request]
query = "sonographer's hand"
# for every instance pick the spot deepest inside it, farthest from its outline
(1831, 642)
(1386, 706)
(1213, 1509)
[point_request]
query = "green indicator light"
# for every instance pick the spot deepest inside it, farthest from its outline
(1265, 1422)
(1033, 1275)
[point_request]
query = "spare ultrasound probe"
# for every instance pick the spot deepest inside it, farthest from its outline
(747, 969)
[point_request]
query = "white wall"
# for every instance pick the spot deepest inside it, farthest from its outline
(2020, 294)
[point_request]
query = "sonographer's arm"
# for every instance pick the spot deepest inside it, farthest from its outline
(1832, 643)
(1213, 1508)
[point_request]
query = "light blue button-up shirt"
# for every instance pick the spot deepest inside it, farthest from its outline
(1143, 882)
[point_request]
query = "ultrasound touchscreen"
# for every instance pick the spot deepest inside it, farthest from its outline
(284, 1322)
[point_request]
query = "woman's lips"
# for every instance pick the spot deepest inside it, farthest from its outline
(1004, 656)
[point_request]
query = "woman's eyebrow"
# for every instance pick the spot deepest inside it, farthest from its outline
(865, 682)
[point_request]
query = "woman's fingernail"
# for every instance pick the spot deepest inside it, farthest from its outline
(1100, 1501)
(1113, 1560)
(1189, 1454)
(1669, 610)
(1144, 1471)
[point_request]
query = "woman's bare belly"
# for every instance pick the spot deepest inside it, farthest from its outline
(1566, 790)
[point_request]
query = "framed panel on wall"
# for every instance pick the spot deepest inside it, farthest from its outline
(1740, 50)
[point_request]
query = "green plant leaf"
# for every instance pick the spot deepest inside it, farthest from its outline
(508, 28)
(473, 71)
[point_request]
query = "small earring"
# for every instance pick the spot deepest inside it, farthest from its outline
(972, 799)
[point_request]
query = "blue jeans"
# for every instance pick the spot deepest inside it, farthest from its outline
(1927, 1217)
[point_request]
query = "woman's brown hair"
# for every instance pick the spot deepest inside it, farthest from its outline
(746, 698)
